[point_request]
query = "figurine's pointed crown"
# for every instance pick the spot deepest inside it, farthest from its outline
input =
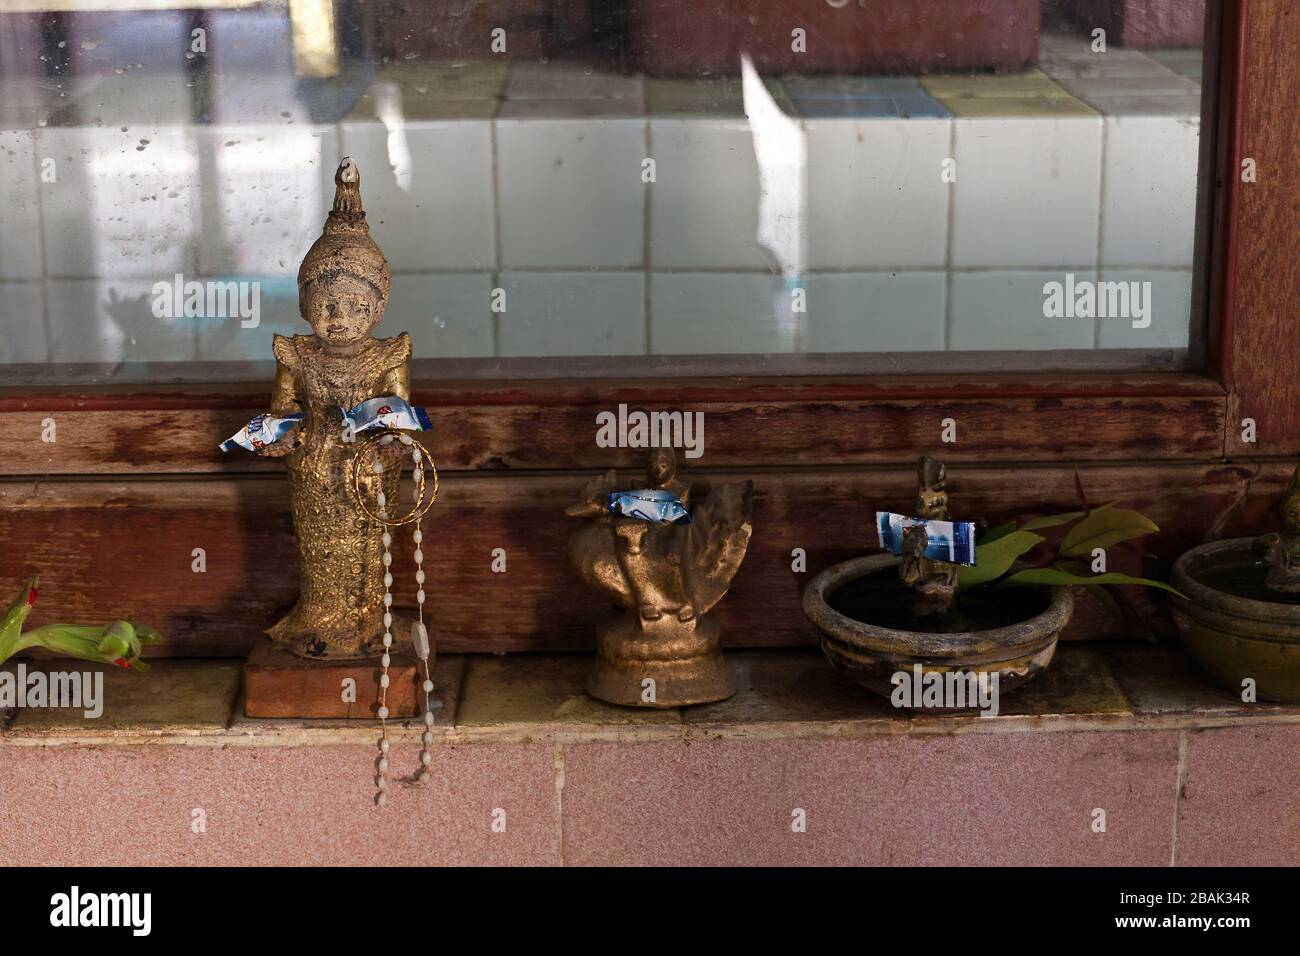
(345, 245)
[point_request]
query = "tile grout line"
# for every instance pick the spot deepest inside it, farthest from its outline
(948, 239)
(452, 718)
(1179, 777)
(1101, 219)
(646, 266)
(667, 270)
(494, 318)
(407, 732)
(46, 325)
(559, 802)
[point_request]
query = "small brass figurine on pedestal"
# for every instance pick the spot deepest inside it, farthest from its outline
(663, 652)
(1281, 549)
(935, 582)
(344, 490)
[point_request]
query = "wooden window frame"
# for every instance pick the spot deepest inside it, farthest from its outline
(807, 440)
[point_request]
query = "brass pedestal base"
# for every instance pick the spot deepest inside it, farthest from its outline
(683, 659)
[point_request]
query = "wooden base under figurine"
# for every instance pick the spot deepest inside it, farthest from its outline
(278, 683)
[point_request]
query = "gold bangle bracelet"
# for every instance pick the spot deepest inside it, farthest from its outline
(421, 506)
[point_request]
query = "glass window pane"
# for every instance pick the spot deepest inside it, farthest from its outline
(569, 187)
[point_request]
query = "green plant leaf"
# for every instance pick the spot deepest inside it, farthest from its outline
(118, 642)
(1104, 527)
(994, 559)
(1051, 521)
(1054, 521)
(1001, 531)
(1064, 578)
(11, 625)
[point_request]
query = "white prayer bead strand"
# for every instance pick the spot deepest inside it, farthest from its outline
(426, 739)
(420, 634)
(381, 781)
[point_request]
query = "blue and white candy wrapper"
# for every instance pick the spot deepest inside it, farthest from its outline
(388, 411)
(651, 504)
(945, 540)
(262, 430)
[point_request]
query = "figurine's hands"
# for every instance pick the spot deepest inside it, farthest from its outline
(395, 451)
(288, 442)
(586, 509)
(592, 503)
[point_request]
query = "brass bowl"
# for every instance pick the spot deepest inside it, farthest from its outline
(1235, 637)
(870, 655)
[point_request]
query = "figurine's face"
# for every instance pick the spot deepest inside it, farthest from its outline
(661, 467)
(341, 309)
(931, 504)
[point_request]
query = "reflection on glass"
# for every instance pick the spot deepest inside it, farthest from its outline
(565, 179)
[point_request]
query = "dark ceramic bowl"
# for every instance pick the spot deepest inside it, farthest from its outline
(870, 655)
(1231, 636)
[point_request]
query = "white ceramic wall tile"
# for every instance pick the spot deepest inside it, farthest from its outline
(875, 199)
(224, 340)
(573, 313)
(704, 203)
(723, 313)
(1027, 192)
(875, 312)
(22, 323)
(271, 190)
(124, 204)
(20, 211)
(427, 188)
(448, 314)
(1170, 298)
(1004, 311)
(112, 320)
(570, 193)
(1149, 192)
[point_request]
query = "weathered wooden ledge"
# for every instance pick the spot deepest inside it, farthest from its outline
(525, 698)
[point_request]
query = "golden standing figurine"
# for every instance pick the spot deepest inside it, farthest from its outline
(663, 652)
(343, 288)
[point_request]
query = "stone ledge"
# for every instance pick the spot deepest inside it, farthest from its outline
(524, 698)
